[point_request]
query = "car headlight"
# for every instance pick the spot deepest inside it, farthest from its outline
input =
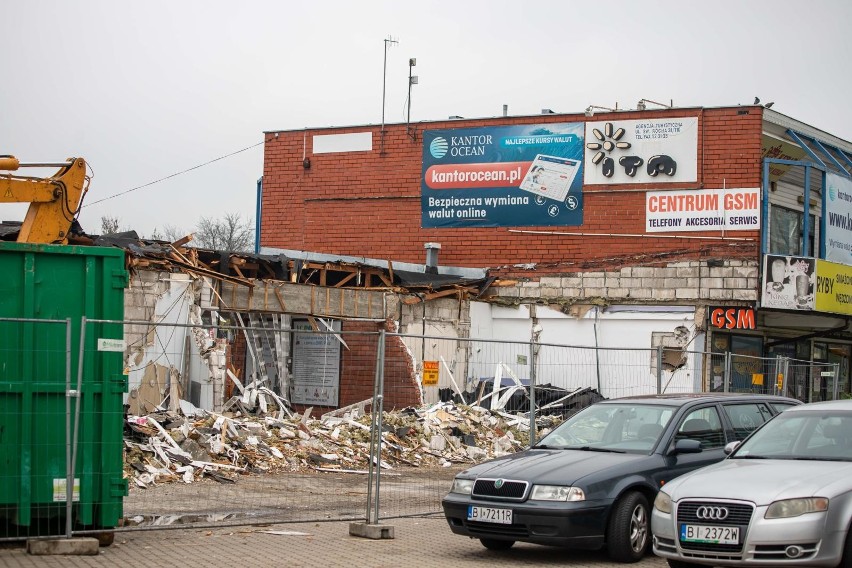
(557, 493)
(663, 503)
(463, 486)
(795, 507)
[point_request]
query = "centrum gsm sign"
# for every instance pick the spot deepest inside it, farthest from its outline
(731, 209)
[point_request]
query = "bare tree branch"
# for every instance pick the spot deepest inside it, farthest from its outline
(109, 225)
(229, 233)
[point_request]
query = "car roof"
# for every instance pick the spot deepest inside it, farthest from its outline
(828, 405)
(681, 399)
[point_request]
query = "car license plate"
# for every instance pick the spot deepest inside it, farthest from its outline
(710, 534)
(489, 515)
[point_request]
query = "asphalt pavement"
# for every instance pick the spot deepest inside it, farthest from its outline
(419, 541)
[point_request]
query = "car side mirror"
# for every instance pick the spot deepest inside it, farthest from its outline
(687, 447)
(731, 446)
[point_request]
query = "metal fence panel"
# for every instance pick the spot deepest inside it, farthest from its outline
(260, 456)
(273, 446)
(35, 426)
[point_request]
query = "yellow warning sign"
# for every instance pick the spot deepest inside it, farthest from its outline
(757, 379)
(430, 373)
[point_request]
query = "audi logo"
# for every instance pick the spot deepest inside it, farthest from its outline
(712, 513)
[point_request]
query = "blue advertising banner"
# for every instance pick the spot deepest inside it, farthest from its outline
(505, 176)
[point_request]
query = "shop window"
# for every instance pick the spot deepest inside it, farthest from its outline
(785, 232)
(747, 364)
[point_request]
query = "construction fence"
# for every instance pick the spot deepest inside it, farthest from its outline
(163, 425)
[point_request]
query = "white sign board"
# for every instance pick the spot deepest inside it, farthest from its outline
(641, 151)
(111, 345)
(351, 142)
(60, 489)
(316, 365)
(838, 226)
(731, 209)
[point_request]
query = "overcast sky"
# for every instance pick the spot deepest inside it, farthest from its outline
(143, 90)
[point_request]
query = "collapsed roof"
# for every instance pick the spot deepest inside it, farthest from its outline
(298, 267)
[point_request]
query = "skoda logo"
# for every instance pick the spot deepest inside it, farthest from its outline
(438, 147)
(712, 513)
(498, 484)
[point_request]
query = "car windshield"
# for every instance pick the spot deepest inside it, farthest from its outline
(803, 435)
(617, 427)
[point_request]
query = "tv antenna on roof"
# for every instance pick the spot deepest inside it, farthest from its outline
(412, 80)
(389, 42)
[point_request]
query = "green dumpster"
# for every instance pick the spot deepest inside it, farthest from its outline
(45, 292)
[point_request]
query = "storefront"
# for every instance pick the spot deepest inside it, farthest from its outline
(809, 352)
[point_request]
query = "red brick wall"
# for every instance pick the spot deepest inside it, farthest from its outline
(365, 204)
(358, 368)
(358, 365)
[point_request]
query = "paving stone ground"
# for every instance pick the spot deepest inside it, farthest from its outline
(420, 541)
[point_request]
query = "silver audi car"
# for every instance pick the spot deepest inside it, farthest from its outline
(783, 496)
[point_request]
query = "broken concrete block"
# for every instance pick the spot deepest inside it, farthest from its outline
(377, 532)
(438, 443)
(502, 445)
(196, 451)
(63, 546)
(475, 453)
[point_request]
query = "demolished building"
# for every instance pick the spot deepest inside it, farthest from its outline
(211, 324)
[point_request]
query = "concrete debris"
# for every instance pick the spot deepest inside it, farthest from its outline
(166, 446)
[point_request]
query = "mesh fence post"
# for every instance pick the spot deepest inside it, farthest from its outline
(532, 393)
(785, 373)
(375, 465)
(371, 464)
(727, 378)
(69, 489)
(778, 376)
(836, 386)
(69, 471)
(380, 377)
(785, 380)
(659, 369)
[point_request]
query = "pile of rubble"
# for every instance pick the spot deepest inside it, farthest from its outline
(169, 446)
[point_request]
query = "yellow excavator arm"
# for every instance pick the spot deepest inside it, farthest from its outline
(54, 201)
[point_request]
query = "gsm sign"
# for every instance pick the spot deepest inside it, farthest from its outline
(732, 318)
(739, 201)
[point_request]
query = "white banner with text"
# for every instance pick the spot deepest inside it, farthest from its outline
(838, 228)
(730, 209)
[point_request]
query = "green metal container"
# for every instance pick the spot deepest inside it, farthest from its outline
(45, 292)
